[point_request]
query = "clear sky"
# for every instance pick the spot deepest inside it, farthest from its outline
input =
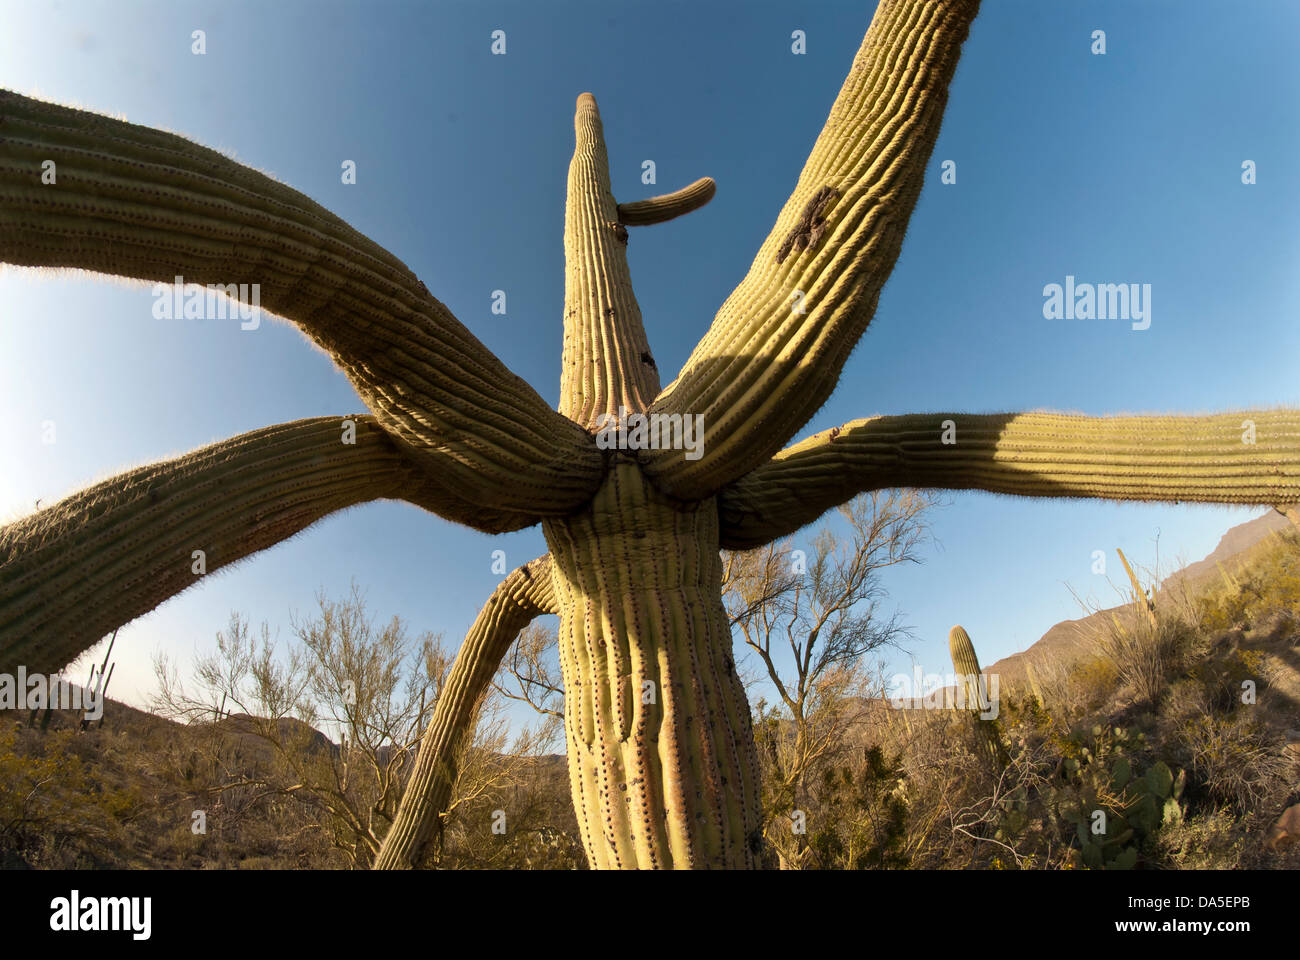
(1122, 168)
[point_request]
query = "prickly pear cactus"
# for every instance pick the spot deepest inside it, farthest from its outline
(1115, 811)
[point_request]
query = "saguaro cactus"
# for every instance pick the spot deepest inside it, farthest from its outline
(976, 695)
(661, 754)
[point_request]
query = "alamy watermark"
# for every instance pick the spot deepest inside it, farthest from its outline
(216, 301)
(36, 691)
(1098, 301)
(75, 913)
(653, 431)
(945, 691)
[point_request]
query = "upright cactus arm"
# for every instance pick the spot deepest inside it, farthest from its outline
(521, 597)
(967, 665)
(74, 572)
(134, 202)
(1202, 459)
(774, 352)
(607, 361)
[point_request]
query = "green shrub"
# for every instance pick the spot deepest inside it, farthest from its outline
(862, 819)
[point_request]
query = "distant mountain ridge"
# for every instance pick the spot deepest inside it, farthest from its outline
(1066, 640)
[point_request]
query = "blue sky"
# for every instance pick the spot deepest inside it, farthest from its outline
(1123, 168)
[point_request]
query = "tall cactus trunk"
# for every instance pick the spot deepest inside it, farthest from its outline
(662, 762)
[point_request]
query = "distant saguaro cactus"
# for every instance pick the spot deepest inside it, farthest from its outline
(976, 695)
(662, 763)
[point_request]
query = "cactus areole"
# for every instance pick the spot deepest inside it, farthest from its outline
(661, 754)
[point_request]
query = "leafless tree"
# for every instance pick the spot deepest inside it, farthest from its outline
(813, 619)
(259, 716)
(530, 673)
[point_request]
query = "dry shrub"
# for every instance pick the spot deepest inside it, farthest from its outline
(1238, 759)
(1144, 654)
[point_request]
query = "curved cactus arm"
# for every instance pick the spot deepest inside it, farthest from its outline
(79, 569)
(643, 213)
(774, 352)
(1245, 458)
(139, 203)
(521, 597)
(607, 361)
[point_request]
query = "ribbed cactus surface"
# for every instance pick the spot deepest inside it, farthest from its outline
(662, 762)
(136, 202)
(607, 361)
(750, 376)
(643, 213)
(1159, 458)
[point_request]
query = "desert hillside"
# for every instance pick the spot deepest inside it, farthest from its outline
(1064, 642)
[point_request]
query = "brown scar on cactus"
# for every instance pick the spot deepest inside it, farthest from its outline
(811, 225)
